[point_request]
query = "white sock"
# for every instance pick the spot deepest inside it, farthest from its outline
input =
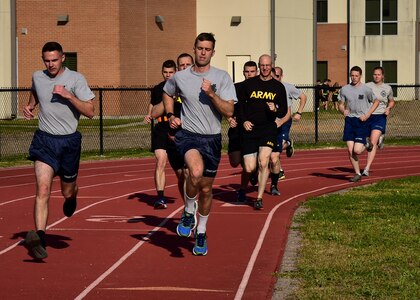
(189, 203)
(202, 223)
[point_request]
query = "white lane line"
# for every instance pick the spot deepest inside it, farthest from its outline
(125, 256)
(254, 256)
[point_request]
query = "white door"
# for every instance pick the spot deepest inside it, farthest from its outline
(236, 66)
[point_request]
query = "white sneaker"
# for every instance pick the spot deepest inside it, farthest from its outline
(365, 172)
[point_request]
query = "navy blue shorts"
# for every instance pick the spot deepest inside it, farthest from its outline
(61, 152)
(209, 146)
(176, 160)
(377, 122)
(283, 134)
(355, 130)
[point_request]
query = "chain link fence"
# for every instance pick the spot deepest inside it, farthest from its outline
(119, 124)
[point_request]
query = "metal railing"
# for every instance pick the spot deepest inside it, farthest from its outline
(120, 113)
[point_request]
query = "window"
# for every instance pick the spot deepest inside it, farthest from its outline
(322, 11)
(71, 60)
(381, 17)
(390, 69)
(322, 70)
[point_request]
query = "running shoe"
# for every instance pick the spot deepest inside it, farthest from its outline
(356, 178)
(258, 204)
(381, 142)
(200, 246)
(187, 224)
(290, 150)
(160, 204)
(34, 243)
(274, 191)
(253, 178)
(365, 172)
(242, 196)
(69, 206)
(282, 175)
(368, 145)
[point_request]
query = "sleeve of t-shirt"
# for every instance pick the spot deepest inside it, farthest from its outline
(82, 90)
(170, 86)
(282, 102)
(227, 89)
(341, 96)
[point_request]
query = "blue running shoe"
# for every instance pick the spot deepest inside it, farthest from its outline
(200, 246)
(187, 224)
(160, 204)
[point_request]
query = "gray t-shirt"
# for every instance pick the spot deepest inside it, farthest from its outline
(198, 114)
(383, 92)
(359, 99)
(57, 115)
(292, 92)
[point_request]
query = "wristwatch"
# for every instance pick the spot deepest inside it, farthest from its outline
(168, 115)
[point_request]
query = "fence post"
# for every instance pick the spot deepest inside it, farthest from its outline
(316, 111)
(101, 123)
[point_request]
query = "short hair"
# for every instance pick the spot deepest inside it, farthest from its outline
(185, 55)
(250, 63)
(169, 64)
(379, 68)
(205, 36)
(52, 46)
(357, 69)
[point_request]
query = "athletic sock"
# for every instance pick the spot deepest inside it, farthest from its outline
(189, 203)
(41, 234)
(160, 194)
(202, 223)
(274, 179)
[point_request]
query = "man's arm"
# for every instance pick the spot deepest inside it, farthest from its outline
(157, 110)
(28, 109)
(302, 102)
(225, 107)
(86, 108)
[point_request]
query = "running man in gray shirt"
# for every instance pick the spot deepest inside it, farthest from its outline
(207, 94)
(62, 96)
(357, 103)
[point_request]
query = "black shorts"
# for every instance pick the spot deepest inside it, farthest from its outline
(234, 135)
(61, 152)
(209, 146)
(160, 136)
(260, 136)
(176, 160)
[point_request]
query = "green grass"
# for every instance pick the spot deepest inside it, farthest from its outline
(361, 244)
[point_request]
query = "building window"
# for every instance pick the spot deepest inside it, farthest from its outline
(381, 17)
(322, 70)
(71, 60)
(322, 11)
(390, 69)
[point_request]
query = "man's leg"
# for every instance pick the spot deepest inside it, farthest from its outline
(263, 161)
(195, 166)
(354, 149)
(36, 240)
(374, 138)
(160, 179)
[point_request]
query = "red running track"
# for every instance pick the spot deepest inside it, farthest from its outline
(117, 246)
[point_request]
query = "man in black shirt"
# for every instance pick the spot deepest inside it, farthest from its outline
(263, 109)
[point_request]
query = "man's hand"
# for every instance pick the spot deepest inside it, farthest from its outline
(248, 126)
(232, 122)
(272, 106)
(207, 88)
(28, 112)
(174, 122)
